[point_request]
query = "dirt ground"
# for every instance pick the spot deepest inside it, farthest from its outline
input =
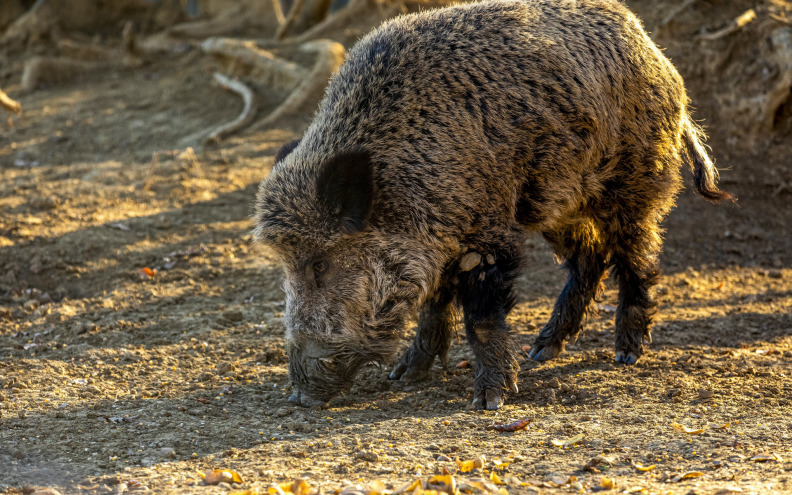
(112, 380)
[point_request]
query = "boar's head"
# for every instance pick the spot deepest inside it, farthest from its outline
(349, 283)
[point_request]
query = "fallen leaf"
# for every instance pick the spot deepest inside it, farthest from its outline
(689, 431)
(765, 457)
(148, 272)
(464, 364)
(607, 483)
(467, 466)
(569, 441)
(716, 426)
(687, 476)
(636, 489)
(441, 483)
(642, 468)
(408, 487)
(217, 476)
(510, 427)
(496, 479)
(500, 465)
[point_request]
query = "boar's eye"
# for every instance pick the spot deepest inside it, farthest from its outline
(320, 267)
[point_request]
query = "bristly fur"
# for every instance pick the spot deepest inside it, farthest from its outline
(444, 138)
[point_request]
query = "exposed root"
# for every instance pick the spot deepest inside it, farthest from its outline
(675, 12)
(303, 15)
(244, 57)
(741, 21)
(329, 56)
(53, 70)
(233, 22)
(8, 104)
(87, 52)
(244, 118)
(359, 12)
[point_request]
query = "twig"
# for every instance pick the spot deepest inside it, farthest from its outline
(737, 24)
(9, 105)
(248, 112)
(273, 71)
(277, 8)
(356, 10)
(291, 18)
(330, 55)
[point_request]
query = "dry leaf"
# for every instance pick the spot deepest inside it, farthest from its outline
(716, 426)
(496, 479)
(687, 476)
(568, 441)
(499, 465)
(642, 468)
(636, 489)
(687, 430)
(464, 364)
(442, 483)
(517, 425)
(217, 476)
(147, 272)
(409, 487)
(601, 459)
(765, 457)
(607, 483)
(467, 466)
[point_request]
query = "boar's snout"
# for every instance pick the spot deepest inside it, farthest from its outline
(318, 377)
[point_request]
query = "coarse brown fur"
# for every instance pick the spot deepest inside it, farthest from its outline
(442, 141)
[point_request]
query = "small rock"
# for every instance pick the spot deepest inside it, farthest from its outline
(46, 491)
(368, 456)
(705, 394)
(469, 261)
(443, 458)
(205, 377)
(553, 383)
(168, 452)
(224, 367)
(44, 203)
(234, 316)
(490, 259)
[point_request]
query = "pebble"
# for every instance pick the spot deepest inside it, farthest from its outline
(443, 458)
(234, 316)
(366, 455)
(224, 367)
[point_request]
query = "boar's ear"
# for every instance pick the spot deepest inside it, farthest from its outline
(285, 150)
(345, 186)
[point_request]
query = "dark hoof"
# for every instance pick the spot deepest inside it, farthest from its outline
(307, 401)
(546, 353)
(625, 358)
(490, 399)
(412, 367)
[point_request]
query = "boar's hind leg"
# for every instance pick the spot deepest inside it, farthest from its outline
(635, 265)
(486, 296)
(586, 263)
(432, 338)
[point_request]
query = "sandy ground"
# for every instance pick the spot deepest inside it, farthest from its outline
(113, 380)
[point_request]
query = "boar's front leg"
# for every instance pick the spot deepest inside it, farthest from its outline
(432, 338)
(485, 293)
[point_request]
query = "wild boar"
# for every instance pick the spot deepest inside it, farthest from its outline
(443, 140)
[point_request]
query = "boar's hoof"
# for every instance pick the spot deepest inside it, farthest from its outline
(307, 401)
(490, 399)
(409, 371)
(625, 358)
(546, 353)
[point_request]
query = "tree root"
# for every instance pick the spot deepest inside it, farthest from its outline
(244, 118)
(9, 105)
(741, 21)
(672, 15)
(303, 15)
(54, 70)
(329, 56)
(244, 57)
(359, 12)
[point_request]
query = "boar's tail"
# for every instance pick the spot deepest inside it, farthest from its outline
(704, 172)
